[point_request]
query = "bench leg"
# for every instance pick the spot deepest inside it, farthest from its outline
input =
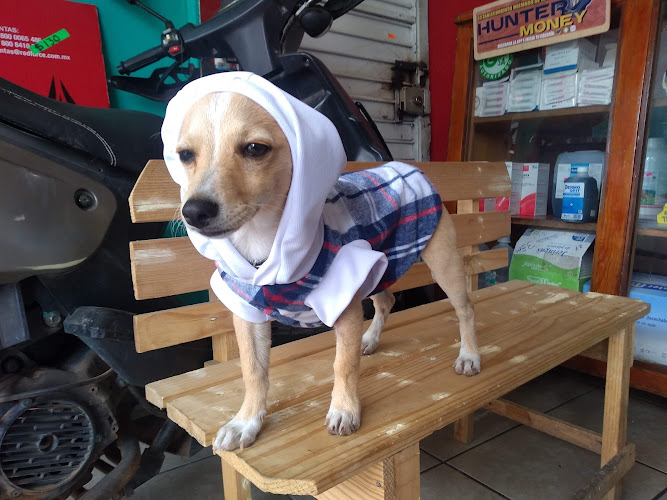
(614, 428)
(396, 478)
(235, 486)
(464, 428)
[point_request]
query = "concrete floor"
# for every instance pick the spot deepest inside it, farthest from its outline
(506, 460)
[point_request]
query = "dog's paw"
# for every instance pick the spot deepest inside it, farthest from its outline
(467, 364)
(342, 422)
(238, 433)
(369, 342)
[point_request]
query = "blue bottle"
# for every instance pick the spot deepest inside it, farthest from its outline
(580, 197)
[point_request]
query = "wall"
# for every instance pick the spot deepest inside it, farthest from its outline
(442, 46)
(128, 30)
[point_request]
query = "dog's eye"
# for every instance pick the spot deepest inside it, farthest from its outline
(255, 150)
(186, 156)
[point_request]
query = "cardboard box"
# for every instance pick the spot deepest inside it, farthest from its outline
(576, 54)
(530, 189)
(651, 330)
(561, 258)
(72, 68)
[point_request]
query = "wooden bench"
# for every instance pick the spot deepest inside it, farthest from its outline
(408, 387)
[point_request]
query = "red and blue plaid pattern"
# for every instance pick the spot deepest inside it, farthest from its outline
(394, 208)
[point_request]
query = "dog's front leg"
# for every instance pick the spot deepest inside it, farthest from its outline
(254, 348)
(344, 415)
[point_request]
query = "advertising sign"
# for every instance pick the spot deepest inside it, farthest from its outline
(508, 26)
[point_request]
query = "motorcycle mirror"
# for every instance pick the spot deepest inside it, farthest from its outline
(168, 24)
(315, 21)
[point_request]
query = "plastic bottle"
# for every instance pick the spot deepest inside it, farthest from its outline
(490, 278)
(503, 274)
(654, 182)
(566, 165)
(580, 197)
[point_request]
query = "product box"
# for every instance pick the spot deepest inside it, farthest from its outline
(525, 88)
(53, 48)
(559, 90)
(576, 54)
(500, 203)
(651, 330)
(530, 189)
(493, 100)
(550, 257)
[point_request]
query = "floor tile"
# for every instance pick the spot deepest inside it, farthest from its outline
(445, 482)
(553, 389)
(441, 444)
(172, 461)
(648, 397)
(527, 464)
(647, 424)
(426, 461)
(201, 479)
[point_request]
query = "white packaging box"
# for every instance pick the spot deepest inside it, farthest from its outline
(576, 54)
(530, 188)
(525, 88)
(559, 90)
(494, 98)
(651, 330)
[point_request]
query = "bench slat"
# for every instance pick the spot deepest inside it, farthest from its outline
(408, 387)
(170, 266)
(156, 197)
(160, 329)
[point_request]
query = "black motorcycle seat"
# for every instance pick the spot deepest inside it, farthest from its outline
(122, 138)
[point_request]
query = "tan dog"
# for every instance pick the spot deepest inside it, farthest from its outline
(239, 170)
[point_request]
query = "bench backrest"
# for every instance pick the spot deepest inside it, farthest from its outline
(172, 266)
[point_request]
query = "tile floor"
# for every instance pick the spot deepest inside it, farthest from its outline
(506, 460)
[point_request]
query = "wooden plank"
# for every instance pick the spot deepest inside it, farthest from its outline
(476, 228)
(170, 327)
(235, 486)
(183, 324)
(462, 92)
(615, 421)
(614, 242)
(369, 484)
(164, 391)
(549, 425)
(609, 475)
(408, 388)
(401, 474)
(156, 197)
(224, 344)
(168, 266)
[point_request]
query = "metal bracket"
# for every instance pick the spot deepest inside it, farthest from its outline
(409, 83)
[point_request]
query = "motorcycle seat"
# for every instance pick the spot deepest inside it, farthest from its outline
(122, 138)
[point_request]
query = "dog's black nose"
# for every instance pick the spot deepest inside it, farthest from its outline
(199, 212)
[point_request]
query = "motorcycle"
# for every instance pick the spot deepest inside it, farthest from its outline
(71, 382)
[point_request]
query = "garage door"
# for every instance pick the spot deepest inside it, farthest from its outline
(362, 47)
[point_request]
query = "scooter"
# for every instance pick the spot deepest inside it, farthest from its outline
(71, 382)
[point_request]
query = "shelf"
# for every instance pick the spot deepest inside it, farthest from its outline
(650, 228)
(540, 115)
(552, 222)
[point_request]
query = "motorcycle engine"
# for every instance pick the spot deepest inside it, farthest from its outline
(53, 427)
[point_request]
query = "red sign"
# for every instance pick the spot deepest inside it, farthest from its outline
(68, 68)
(508, 26)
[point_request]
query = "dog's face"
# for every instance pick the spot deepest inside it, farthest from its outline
(237, 160)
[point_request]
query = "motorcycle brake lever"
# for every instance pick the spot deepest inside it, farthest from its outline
(154, 86)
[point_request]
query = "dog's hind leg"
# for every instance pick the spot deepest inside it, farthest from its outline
(383, 302)
(446, 266)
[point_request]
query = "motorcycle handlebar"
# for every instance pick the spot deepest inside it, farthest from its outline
(142, 60)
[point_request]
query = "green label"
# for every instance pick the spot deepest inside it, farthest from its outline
(495, 67)
(49, 41)
(539, 271)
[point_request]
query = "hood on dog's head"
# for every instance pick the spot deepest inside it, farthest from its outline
(318, 159)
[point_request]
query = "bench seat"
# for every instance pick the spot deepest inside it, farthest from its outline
(408, 387)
